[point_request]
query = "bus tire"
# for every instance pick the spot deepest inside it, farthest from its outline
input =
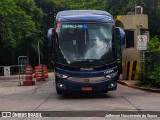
(59, 92)
(106, 91)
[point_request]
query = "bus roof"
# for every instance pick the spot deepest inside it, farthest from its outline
(84, 16)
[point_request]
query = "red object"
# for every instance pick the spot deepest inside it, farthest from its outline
(86, 80)
(35, 71)
(86, 88)
(58, 26)
(39, 74)
(45, 73)
(28, 77)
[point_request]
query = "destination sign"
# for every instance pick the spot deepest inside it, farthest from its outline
(84, 26)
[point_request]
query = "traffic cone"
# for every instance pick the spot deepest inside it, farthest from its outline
(28, 77)
(35, 72)
(40, 76)
(45, 73)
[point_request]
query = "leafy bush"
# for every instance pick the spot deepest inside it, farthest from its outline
(155, 77)
(150, 69)
(154, 44)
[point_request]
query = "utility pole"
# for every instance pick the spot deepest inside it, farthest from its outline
(39, 53)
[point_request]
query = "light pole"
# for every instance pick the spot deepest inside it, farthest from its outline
(39, 53)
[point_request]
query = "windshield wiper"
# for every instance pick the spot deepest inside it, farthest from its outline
(90, 60)
(93, 60)
(100, 62)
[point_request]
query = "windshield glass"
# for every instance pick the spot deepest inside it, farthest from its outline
(81, 42)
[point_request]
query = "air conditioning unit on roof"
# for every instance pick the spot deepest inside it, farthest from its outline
(138, 10)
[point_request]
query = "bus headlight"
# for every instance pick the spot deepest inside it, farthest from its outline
(111, 75)
(61, 75)
(108, 76)
(64, 76)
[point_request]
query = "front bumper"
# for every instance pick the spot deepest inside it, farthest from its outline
(64, 85)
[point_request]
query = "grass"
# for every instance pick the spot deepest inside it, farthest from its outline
(50, 70)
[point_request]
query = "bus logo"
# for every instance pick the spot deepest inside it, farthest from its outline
(83, 69)
(86, 80)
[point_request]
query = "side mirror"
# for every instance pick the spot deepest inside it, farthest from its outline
(50, 36)
(120, 36)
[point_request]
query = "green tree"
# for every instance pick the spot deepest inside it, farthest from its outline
(50, 8)
(86, 4)
(151, 73)
(150, 7)
(29, 45)
(154, 44)
(15, 25)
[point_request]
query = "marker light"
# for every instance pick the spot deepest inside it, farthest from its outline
(58, 26)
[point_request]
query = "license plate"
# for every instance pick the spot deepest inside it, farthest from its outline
(86, 88)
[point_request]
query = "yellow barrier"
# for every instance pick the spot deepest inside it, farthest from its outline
(129, 68)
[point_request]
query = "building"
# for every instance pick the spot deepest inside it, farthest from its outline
(134, 24)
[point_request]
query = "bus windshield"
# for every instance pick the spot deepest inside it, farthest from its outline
(81, 42)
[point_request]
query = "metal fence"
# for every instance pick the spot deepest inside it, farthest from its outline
(152, 61)
(14, 73)
(150, 69)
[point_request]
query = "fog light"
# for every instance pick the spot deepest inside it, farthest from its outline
(61, 85)
(111, 85)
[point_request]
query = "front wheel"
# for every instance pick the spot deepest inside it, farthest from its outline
(59, 92)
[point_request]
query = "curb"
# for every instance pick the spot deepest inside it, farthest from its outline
(133, 86)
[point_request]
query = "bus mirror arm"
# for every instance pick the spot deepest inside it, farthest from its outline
(50, 36)
(120, 36)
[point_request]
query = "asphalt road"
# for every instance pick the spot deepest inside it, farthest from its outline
(43, 97)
